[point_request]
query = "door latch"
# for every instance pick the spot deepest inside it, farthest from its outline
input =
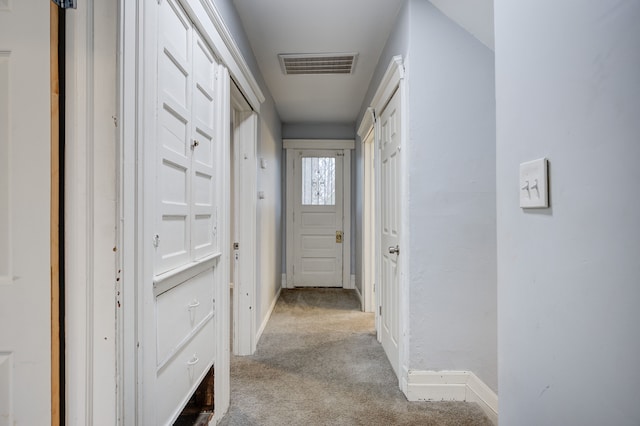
(236, 246)
(338, 236)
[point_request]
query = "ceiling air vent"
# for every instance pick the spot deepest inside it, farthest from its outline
(323, 63)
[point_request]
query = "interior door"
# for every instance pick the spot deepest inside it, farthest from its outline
(390, 227)
(318, 218)
(25, 196)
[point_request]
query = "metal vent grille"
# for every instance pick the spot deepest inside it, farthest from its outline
(326, 63)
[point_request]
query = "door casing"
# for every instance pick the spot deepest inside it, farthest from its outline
(320, 144)
(244, 141)
(393, 80)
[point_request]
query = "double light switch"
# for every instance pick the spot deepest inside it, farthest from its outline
(534, 187)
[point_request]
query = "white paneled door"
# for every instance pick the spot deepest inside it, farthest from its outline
(25, 179)
(390, 227)
(318, 218)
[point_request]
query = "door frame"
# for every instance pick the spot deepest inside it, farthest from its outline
(320, 144)
(368, 265)
(392, 81)
(91, 160)
(244, 140)
(137, 50)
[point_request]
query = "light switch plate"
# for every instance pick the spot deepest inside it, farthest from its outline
(534, 186)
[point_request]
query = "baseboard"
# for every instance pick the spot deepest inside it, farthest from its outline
(283, 282)
(268, 316)
(362, 307)
(352, 281)
(452, 386)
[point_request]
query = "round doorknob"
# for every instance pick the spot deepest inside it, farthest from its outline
(394, 250)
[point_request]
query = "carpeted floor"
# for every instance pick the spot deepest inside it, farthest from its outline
(318, 363)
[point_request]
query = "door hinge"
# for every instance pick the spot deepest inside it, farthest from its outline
(380, 310)
(156, 240)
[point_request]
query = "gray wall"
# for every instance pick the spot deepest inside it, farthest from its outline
(568, 88)
(269, 213)
(452, 229)
(453, 291)
(397, 44)
(318, 131)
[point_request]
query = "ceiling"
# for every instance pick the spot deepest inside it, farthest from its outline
(328, 26)
(334, 26)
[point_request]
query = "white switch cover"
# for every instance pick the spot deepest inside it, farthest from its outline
(534, 189)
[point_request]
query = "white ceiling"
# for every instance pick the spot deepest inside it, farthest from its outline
(326, 26)
(334, 26)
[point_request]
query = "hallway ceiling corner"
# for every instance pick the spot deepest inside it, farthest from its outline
(318, 27)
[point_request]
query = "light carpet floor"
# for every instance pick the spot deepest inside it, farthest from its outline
(318, 363)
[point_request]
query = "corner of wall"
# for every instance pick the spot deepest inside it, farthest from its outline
(452, 386)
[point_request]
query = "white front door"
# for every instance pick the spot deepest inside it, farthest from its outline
(390, 227)
(318, 218)
(25, 206)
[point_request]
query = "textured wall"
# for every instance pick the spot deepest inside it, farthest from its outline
(568, 88)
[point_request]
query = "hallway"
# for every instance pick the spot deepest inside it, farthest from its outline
(318, 363)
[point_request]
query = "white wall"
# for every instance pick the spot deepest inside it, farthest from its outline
(568, 88)
(453, 300)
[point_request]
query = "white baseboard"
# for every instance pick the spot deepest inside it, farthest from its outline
(452, 386)
(362, 307)
(268, 316)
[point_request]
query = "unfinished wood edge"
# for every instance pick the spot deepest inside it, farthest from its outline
(55, 216)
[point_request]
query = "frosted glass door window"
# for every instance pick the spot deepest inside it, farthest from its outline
(318, 181)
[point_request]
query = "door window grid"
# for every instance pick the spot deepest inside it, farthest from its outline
(318, 181)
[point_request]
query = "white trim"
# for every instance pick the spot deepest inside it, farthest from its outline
(388, 84)
(346, 220)
(352, 282)
(289, 218)
(166, 281)
(222, 384)
(268, 316)
(234, 59)
(359, 294)
(219, 38)
(452, 386)
(368, 242)
(244, 140)
(366, 125)
(393, 80)
(480, 393)
(318, 144)
(90, 214)
(127, 261)
(313, 145)
(283, 281)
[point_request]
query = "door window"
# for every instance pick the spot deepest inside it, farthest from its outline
(318, 181)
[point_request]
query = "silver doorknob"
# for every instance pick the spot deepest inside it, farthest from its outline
(394, 250)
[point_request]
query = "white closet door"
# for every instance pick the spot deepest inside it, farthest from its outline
(390, 205)
(174, 139)
(205, 151)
